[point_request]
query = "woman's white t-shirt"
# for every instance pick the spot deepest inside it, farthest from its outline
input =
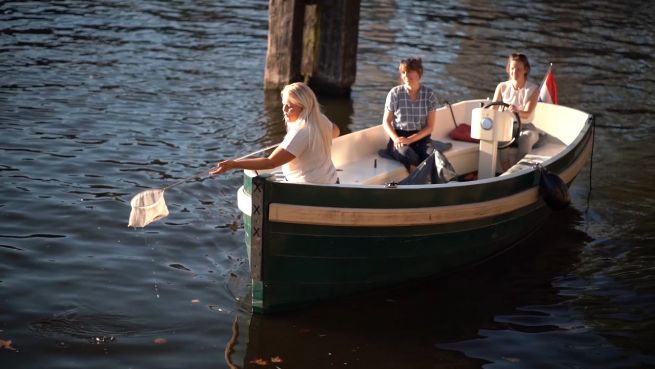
(518, 97)
(309, 166)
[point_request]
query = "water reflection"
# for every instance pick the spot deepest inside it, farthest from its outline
(273, 115)
(338, 110)
(428, 322)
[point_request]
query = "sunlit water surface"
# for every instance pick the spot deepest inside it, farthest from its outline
(100, 100)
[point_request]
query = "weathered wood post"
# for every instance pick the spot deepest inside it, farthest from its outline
(313, 41)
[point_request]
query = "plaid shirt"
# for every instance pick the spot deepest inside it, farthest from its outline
(409, 115)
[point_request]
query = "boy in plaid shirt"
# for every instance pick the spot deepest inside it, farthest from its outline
(409, 116)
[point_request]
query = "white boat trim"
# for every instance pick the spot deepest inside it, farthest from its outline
(360, 217)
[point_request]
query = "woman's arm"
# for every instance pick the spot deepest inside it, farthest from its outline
(278, 157)
(529, 107)
(498, 95)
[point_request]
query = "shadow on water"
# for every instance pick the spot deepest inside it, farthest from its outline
(340, 111)
(429, 322)
(274, 119)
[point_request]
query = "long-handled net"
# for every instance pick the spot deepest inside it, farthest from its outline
(149, 205)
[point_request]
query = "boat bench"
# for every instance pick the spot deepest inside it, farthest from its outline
(370, 170)
(546, 148)
(377, 170)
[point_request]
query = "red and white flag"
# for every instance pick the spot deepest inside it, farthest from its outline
(548, 91)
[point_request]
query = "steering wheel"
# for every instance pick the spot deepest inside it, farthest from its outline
(516, 130)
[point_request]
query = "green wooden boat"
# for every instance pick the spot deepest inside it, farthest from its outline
(308, 243)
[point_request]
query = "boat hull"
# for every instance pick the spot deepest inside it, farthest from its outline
(300, 266)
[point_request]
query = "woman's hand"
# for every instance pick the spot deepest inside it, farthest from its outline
(222, 167)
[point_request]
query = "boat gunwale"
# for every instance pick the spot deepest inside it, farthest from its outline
(574, 145)
(451, 203)
(444, 214)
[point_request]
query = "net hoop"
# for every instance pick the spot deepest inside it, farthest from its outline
(139, 200)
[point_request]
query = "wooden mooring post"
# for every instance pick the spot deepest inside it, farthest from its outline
(314, 41)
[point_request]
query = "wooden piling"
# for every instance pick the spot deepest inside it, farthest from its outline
(313, 41)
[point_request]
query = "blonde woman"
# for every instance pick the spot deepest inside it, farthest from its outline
(305, 152)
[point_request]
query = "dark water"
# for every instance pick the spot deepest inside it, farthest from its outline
(100, 100)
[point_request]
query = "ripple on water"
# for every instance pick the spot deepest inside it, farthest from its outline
(100, 100)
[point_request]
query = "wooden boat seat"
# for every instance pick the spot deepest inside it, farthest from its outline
(371, 170)
(462, 155)
(377, 170)
(546, 148)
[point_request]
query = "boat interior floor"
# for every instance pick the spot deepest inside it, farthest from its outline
(547, 147)
(374, 169)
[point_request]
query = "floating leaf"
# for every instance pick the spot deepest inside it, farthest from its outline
(6, 344)
(195, 301)
(259, 361)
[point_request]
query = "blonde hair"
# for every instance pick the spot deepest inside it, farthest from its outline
(311, 118)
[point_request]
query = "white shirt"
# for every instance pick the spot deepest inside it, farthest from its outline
(518, 97)
(309, 166)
